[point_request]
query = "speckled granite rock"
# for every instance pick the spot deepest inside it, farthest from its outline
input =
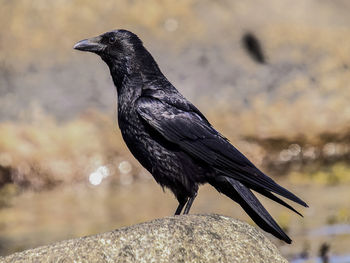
(193, 238)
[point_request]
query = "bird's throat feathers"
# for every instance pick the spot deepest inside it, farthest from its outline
(142, 66)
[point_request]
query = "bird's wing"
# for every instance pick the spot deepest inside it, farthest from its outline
(194, 134)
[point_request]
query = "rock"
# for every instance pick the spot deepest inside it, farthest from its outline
(191, 238)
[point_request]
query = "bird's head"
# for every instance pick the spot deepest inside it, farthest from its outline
(122, 50)
(115, 46)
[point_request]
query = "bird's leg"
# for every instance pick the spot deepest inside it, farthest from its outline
(182, 203)
(189, 203)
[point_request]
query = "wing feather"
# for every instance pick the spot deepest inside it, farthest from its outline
(196, 136)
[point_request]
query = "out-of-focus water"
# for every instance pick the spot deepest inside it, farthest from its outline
(331, 230)
(32, 219)
(332, 259)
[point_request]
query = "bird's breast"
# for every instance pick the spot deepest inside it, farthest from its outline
(135, 137)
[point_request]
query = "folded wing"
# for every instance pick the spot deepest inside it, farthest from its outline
(193, 133)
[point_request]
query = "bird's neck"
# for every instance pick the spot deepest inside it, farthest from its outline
(145, 69)
(148, 67)
(119, 76)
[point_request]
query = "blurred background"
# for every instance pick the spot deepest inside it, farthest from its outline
(273, 76)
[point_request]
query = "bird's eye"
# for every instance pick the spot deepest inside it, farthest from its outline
(112, 40)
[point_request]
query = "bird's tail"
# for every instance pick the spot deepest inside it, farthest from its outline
(247, 200)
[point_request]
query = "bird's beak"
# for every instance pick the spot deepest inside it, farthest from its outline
(92, 45)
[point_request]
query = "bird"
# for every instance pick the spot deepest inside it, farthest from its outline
(253, 47)
(173, 140)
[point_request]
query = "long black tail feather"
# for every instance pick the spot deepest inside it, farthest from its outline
(251, 205)
(261, 181)
(276, 199)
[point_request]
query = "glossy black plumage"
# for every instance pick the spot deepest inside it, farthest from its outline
(173, 140)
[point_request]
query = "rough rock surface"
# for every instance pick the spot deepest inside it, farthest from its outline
(193, 238)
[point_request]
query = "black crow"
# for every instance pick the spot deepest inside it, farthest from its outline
(173, 140)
